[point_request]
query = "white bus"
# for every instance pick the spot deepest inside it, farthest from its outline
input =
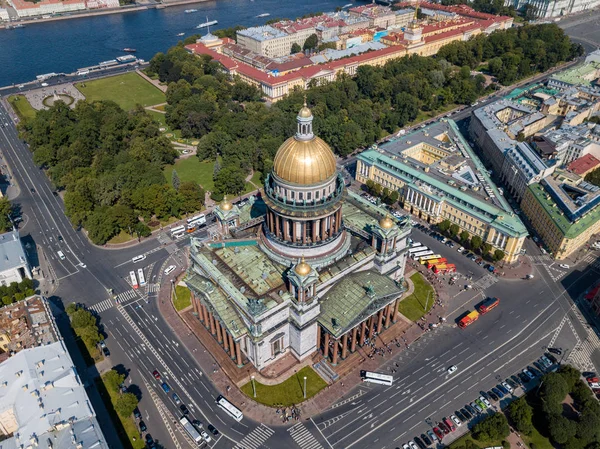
(190, 429)
(177, 231)
(418, 249)
(197, 220)
(416, 244)
(376, 378)
(419, 256)
(231, 409)
(422, 252)
(141, 277)
(134, 282)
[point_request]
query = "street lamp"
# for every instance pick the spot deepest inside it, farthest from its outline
(253, 386)
(304, 387)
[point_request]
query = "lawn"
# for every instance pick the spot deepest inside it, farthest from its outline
(183, 298)
(191, 169)
(22, 107)
(126, 427)
(288, 392)
(538, 440)
(413, 306)
(125, 90)
(468, 440)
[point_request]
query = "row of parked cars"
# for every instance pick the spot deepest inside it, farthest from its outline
(482, 403)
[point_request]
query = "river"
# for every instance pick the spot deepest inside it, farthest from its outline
(66, 45)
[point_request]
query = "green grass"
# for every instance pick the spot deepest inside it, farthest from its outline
(413, 306)
(22, 107)
(288, 392)
(461, 442)
(121, 237)
(126, 427)
(125, 90)
(537, 439)
(183, 298)
(191, 169)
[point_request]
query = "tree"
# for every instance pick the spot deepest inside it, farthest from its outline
(464, 236)
(454, 229)
(175, 182)
(570, 375)
(493, 428)
(553, 391)
(142, 230)
(82, 318)
(125, 404)
(113, 380)
(530, 12)
(499, 255)
(486, 248)
(191, 197)
(588, 427)
(230, 180)
(444, 225)
(521, 414)
(71, 308)
(476, 242)
(311, 42)
(561, 429)
(296, 48)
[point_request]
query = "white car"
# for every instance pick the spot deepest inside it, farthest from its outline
(528, 374)
(461, 249)
(452, 369)
(413, 445)
(456, 420)
(508, 387)
(405, 446)
(206, 436)
(485, 401)
(169, 269)
(564, 265)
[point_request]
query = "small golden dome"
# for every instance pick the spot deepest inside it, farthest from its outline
(305, 112)
(225, 204)
(304, 162)
(386, 222)
(303, 268)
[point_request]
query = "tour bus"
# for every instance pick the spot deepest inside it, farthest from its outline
(134, 282)
(424, 260)
(197, 220)
(141, 277)
(177, 231)
(377, 378)
(423, 253)
(412, 251)
(231, 409)
(415, 244)
(190, 429)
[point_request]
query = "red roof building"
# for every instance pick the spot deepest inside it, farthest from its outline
(584, 165)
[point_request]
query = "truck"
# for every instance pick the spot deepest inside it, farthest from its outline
(488, 305)
(191, 430)
(468, 319)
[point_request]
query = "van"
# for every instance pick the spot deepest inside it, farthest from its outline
(61, 256)
(138, 258)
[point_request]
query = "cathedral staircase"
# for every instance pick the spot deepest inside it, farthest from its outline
(325, 371)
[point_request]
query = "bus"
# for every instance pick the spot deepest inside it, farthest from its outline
(376, 378)
(423, 253)
(177, 231)
(141, 277)
(424, 260)
(412, 251)
(415, 244)
(134, 282)
(197, 220)
(231, 409)
(190, 429)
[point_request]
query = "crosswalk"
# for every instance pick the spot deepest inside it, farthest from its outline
(550, 265)
(303, 437)
(486, 281)
(129, 294)
(108, 303)
(541, 259)
(256, 438)
(152, 288)
(103, 305)
(581, 355)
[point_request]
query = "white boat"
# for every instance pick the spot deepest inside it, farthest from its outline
(180, 34)
(265, 14)
(347, 6)
(207, 23)
(188, 11)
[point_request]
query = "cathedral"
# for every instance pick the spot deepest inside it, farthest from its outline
(305, 266)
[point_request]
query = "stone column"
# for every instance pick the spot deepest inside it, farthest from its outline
(277, 230)
(371, 326)
(315, 231)
(379, 321)
(195, 304)
(286, 229)
(363, 328)
(326, 345)
(395, 312)
(388, 315)
(344, 345)
(225, 340)
(203, 314)
(294, 231)
(323, 228)
(339, 219)
(318, 337)
(219, 334)
(353, 342)
(231, 346)
(334, 356)
(303, 224)
(212, 324)
(238, 353)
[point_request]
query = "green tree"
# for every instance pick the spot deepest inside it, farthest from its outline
(82, 318)
(521, 414)
(90, 336)
(499, 255)
(464, 236)
(561, 429)
(230, 180)
(191, 197)
(125, 404)
(311, 42)
(486, 248)
(476, 242)
(454, 230)
(588, 428)
(112, 380)
(295, 48)
(142, 230)
(175, 182)
(553, 391)
(493, 428)
(444, 225)
(71, 308)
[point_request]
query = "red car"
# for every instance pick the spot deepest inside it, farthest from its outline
(156, 374)
(438, 433)
(449, 424)
(443, 428)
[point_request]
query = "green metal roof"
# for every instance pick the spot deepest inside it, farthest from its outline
(568, 228)
(498, 218)
(355, 298)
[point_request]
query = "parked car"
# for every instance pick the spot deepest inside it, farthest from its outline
(455, 420)
(461, 249)
(413, 445)
(143, 427)
(516, 379)
(105, 351)
(136, 413)
(546, 361)
(485, 401)
(432, 436)
(438, 433)
(205, 436)
(493, 396)
(507, 387)
(477, 407)
(466, 413)
(443, 428)
(426, 439)
(556, 351)
(550, 357)
(497, 392)
(514, 385)
(460, 416)
(529, 374)
(420, 443)
(471, 410)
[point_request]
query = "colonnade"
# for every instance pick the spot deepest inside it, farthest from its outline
(304, 231)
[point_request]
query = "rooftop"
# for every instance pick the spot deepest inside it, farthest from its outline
(12, 254)
(583, 74)
(584, 164)
(262, 33)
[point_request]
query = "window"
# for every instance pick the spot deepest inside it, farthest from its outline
(309, 196)
(300, 196)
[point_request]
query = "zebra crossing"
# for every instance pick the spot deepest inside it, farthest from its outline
(152, 288)
(547, 262)
(486, 281)
(103, 305)
(108, 303)
(256, 438)
(129, 294)
(541, 260)
(581, 355)
(303, 437)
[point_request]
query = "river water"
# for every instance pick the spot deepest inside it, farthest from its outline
(66, 45)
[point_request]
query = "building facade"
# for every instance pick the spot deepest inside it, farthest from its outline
(310, 271)
(14, 266)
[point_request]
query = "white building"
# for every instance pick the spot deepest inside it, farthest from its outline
(25, 8)
(13, 261)
(554, 8)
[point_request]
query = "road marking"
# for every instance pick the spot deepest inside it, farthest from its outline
(373, 397)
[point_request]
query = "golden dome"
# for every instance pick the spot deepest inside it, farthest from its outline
(386, 222)
(225, 204)
(303, 269)
(304, 162)
(305, 112)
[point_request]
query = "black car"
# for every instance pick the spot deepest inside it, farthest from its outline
(516, 380)
(466, 413)
(426, 439)
(149, 439)
(556, 351)
(105, 351)
(32, 190)
(485, 395)
(60, 239)
(539, 366)
(136, 413)
(524, 378)
(212, 429)
(420, 443)
(197, 423)
(512, 383)
(55, 193)
(184, 409)
(493, 396)
(460, 416)
(143, 427)
(471, 410)
(551, 357)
